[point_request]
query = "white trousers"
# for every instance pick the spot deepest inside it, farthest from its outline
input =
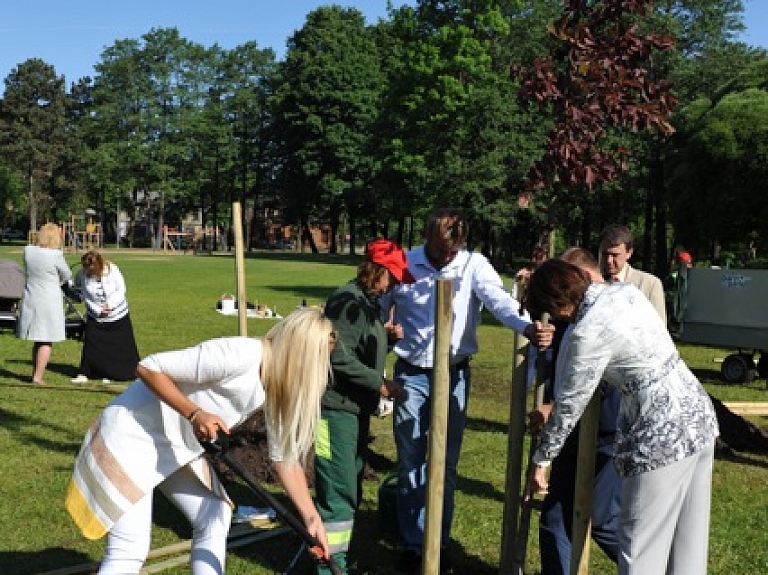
(664, 521)
(129, 539)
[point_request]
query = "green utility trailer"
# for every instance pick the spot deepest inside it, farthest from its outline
(726, 308)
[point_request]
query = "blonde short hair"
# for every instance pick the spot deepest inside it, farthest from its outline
(295, 371)
(49, 236)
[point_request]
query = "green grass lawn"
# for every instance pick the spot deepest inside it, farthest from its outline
(173, 299)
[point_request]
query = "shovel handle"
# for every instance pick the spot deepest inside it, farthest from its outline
(218, 449)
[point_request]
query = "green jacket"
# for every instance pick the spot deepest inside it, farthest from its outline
(359, 359)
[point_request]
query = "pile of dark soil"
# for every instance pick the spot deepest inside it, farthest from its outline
(738, 434)
(248, 444)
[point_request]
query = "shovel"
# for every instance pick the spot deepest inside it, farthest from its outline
(218, 450)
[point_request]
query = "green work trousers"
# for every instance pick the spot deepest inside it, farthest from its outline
(340, 444)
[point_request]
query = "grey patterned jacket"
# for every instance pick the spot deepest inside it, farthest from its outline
(665, 414)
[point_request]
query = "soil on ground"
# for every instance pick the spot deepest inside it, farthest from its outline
(248, 444)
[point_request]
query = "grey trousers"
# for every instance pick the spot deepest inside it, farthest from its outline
(664, 522)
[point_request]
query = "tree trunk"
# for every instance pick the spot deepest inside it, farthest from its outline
(647, 231)
(662, 259)
(352, 233)
(306, 235)
(32, 202)
(335, 218)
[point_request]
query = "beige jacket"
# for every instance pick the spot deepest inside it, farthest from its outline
(651, 287)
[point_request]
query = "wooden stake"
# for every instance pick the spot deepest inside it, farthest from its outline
(524, 526)
(515, 439)
(585, 479)
(242, 303)
(438, 426)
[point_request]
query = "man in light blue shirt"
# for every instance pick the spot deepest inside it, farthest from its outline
(476, 284)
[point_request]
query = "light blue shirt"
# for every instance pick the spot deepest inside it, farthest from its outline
(475, 284)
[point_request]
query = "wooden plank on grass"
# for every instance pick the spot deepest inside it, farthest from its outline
(747, 407)
(239, 535)
(245, 539)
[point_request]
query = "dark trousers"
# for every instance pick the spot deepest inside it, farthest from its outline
(557, 508)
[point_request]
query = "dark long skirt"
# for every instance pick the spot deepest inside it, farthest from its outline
(109, 350)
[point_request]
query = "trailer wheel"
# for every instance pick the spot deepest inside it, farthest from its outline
(738, 368)
(762, 366)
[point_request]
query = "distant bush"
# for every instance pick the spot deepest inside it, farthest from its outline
(757, 264)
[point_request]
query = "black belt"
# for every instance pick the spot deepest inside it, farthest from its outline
(463, 364)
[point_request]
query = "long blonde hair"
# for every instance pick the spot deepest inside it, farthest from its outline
(295, 371)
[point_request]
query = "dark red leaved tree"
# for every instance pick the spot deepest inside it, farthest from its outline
(595, 78)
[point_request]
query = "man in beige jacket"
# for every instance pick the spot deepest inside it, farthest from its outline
(616, 245)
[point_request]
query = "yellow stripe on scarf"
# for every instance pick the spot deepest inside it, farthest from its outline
(82, 514)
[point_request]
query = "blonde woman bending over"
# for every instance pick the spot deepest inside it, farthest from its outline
(149, 437)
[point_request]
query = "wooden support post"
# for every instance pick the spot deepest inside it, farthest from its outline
(242, 303)
(585, 479)
(438, 425)
(515, 438)
(524, 525)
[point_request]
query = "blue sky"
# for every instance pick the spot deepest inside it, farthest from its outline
(71, 35)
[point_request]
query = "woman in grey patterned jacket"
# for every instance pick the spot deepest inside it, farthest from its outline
(666, 428)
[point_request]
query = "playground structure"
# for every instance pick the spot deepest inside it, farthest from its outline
(81, 234)
(726, 308)
(191, 239)
(76, 234)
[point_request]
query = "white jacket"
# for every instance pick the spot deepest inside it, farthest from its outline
(138, 440)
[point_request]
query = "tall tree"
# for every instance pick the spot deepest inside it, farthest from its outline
(243, 83)
(718, 168)
(598, 85)
(32, 130)
(454, 132)
(323, 109)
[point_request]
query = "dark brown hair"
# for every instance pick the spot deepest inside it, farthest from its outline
(554, 286)
(93, 259)
(368, 273)
(447, 225)
(615, 235)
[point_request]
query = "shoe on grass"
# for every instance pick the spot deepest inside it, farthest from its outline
(79, 379)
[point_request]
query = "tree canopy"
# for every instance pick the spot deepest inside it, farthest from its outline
(366, 127)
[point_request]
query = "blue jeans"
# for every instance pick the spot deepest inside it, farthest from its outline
(411, 423)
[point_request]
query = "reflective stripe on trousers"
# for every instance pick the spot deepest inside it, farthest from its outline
(339, 535)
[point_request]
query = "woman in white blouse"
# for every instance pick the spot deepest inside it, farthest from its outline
(149, 437)
(109, 347)
(666, 427)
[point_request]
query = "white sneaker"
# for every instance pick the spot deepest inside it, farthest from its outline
(79, 379)
(105, 380)
(386, 407)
